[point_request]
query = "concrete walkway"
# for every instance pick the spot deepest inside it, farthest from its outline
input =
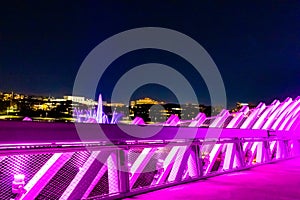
(280, 180)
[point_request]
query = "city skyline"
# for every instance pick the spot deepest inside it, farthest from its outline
(143, 99)
(255, 46)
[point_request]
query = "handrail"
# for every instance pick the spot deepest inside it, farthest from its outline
(126, 159)
(12, 132)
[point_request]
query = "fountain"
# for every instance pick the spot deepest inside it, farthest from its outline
(95, 116)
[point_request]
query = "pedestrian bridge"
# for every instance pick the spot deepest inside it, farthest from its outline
(108, 161)
(277, 180)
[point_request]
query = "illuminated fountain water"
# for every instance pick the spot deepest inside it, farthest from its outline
(96, 115)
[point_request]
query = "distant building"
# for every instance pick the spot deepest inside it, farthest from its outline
(190, 111)
(146, 109)
(154, 111)
(120, 108)
(239, 105)
(6, 96)
(81, 100)
(145, 101)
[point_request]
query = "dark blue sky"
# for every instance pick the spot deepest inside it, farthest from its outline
(256, 46)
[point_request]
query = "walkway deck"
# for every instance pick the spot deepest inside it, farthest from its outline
(280, 180)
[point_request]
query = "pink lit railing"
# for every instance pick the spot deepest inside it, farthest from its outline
(57, 164)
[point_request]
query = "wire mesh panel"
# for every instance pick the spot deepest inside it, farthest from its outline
(58, 184)
(218, 162)
(133, 154)
(205, 153)
(146, 177)
(107, 180)
(145, 168)
(150, 168)
(101, 188)
(28, 165)
(160, 162)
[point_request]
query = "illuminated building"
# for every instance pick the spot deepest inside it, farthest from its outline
(154, 111)
(81, 100)
(146, 100)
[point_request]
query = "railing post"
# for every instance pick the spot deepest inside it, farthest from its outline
(281, 150)
(240, 154)
(267, 151)
(124, 186)
(263, 152)
(194, 160)
(199, 164)
(229, 156)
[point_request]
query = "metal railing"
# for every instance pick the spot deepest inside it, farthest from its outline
(53, 161)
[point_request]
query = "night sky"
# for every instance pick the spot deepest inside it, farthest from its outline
(256, 46)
